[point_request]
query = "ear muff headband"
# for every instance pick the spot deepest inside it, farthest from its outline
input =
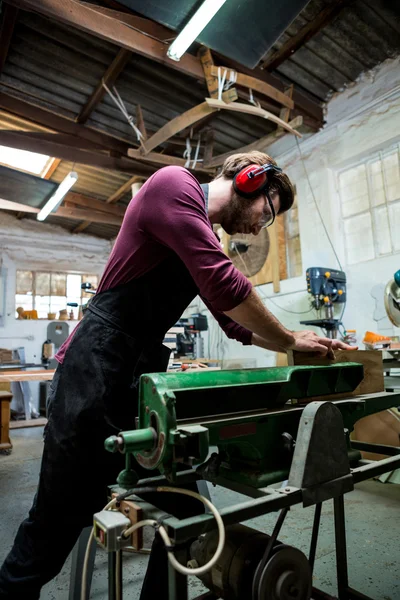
(252, 180)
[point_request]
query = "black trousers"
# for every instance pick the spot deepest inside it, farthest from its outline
(93, 395)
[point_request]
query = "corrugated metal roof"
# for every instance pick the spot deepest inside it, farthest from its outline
(60, 67)
(57, 68)
(364, 34)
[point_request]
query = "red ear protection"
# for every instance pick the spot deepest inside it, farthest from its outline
(252, 180)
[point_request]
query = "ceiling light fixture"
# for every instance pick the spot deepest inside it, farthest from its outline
(195, 26)
(56, 199)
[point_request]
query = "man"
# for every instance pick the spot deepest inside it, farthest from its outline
(165, 254)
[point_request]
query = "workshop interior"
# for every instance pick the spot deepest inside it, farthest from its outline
(294, 457)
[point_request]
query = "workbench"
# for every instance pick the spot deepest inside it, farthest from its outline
(22, 375)
(5, 442)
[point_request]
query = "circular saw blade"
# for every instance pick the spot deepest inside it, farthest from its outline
(392, 302)
(249, 252)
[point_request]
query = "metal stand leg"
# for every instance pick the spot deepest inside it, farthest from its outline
(115, 575)
(341, 550)
(78, 554)
(314, 536)
(177, 583)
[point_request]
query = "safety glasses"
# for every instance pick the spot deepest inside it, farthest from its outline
(269, 214)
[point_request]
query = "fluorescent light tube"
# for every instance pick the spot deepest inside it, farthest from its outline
(56, 199)
(195, 26)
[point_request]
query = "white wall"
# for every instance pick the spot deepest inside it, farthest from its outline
(26, 244)
(359, 121)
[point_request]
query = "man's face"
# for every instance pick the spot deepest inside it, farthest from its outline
(248, 216)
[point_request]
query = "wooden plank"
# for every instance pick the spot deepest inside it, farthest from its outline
(285, 112)
(80, 214)
(52, 166)
(260, 144)
(165, 159)
(258, 86)
(146, 26)
(9, 18)
(274, 255)
(17, 206)
(250, 110)
(64, 139)
(176, 125)
(65, 212)
(371, 359)
(140, 122)
(109, 78)
(305, 34)
(15, 139)
(23, 423)
(32, 375)
(124, 189)
(59, 123)
(94, 204)
(91, 21)
(207, 63)
(5, 400)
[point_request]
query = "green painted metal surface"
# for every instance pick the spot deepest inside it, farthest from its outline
(174, 406)
(241, 412)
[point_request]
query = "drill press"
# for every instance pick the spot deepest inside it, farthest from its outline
(327, 287)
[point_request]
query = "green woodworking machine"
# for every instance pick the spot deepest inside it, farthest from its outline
(247, 430)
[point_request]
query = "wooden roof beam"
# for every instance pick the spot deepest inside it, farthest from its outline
(65, 212)
(257, 85)
(305, 34)
(121, 191)
(176, 125)
(260, 144)
(17, 139)
(109, 78)
(59, 123)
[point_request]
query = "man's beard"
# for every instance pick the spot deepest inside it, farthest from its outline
(236, 216)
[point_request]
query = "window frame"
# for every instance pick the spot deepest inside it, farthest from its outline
(371, 210)
(83, 295)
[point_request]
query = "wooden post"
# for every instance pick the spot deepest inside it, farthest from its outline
(274, 254)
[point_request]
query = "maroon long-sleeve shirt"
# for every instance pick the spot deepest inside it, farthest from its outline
(169, 214)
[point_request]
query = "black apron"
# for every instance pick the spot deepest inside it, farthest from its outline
(94, 394)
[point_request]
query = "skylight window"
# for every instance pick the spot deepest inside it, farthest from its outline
(30, 162)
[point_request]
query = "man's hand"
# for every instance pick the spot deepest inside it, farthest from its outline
(308, 341)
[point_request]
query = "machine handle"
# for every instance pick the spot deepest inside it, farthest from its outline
(132, 441)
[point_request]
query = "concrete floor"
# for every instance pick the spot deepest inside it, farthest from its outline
(372, 514)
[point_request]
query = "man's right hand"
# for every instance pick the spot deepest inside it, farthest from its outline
(309, 341)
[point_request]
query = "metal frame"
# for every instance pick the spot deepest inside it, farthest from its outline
(264, 501)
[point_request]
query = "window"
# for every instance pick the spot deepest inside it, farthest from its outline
(370, 202)
(23, 160)
(50, 292)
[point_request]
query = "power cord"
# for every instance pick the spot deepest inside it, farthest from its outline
(316, 205)
(164, 535)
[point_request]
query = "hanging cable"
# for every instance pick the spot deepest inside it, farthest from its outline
(120, 103)
(196, 156)
(252, 100)
(317, 207)
(187, 153)
(221, 82)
